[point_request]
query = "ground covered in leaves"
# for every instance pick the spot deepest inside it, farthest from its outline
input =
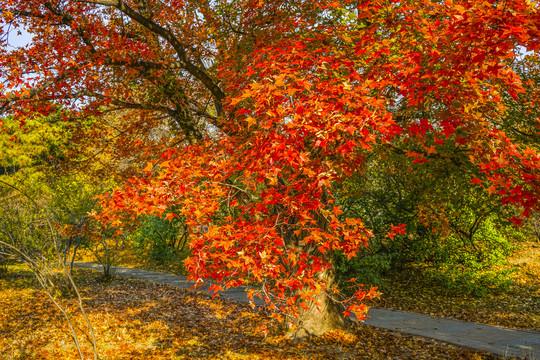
(137, 320)
(127, 257)
(518, 307)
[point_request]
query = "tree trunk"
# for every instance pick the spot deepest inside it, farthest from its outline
(77, 244)
(321, 315)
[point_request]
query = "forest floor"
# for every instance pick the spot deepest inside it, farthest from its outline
(135, 319)
(516, 307)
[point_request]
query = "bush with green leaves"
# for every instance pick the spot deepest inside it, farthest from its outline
(456, 233)
(160, 241)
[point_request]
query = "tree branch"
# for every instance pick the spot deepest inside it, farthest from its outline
(178, 47)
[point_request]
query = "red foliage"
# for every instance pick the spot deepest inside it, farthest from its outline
(301, 97)
(395, 230)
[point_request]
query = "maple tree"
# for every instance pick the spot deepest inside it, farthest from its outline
(271, 103)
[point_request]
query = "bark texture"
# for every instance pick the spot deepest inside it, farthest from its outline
(321, 315)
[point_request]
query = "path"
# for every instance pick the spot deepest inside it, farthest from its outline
(498, 340)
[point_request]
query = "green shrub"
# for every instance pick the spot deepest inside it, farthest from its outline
(456, 233)
(160, 241)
